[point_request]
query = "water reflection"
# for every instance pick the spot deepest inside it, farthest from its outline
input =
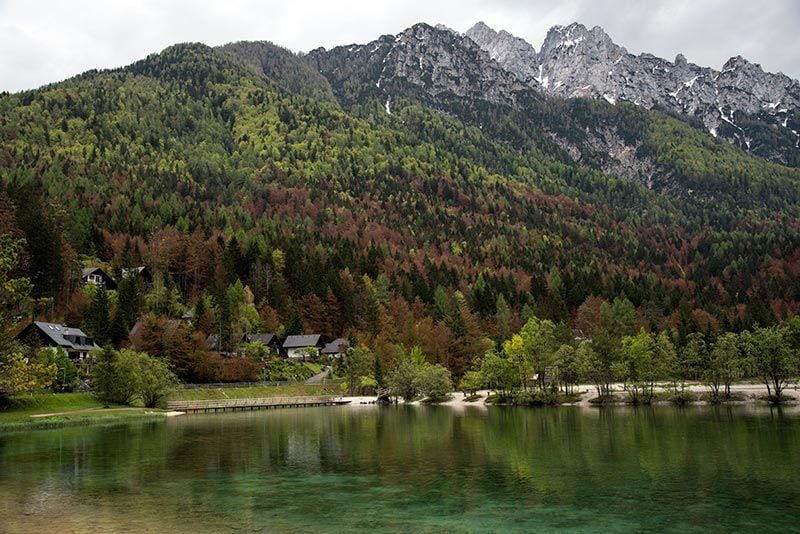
(410, 468)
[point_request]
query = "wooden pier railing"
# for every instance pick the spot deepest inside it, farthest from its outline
(233, 405)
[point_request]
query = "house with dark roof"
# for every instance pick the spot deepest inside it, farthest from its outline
(143, 271)
(301, 347)
(269, 339)
(97, 276)
(74, 341)
(335, 348)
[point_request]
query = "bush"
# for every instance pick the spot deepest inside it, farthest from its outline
(67, 372)
(238, 369)
(682, 397)
(120, 377)
(280, 370)
(434, 382)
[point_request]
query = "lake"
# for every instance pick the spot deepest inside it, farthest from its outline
(411, 469)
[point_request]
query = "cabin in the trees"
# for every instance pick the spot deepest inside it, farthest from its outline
(143, 271)
(300, 348)
(269, 339)
(73, 340)
(98, 277)
(335, 348)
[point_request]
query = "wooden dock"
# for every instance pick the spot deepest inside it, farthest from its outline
(242, 405)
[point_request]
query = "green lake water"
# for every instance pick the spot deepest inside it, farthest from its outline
(412, 469)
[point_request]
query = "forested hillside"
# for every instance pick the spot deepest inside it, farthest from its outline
(268, 198)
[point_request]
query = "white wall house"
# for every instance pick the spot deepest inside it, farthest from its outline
(302, 348)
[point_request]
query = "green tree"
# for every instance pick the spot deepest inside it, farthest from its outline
(725, 364)
(20, 375)
(433, 381)
(692, 360)
(154, 379)
(471, 382)
(14, 291)
(500, 373)
(567, 367)
(357, 362)
(532, 350)
(638, 367)
(120, 377)
(771, 356)
(67, 372)
(592, 369)
(503, 317)
(115, 378)
(98, 318)
(401, 378)
(130, 300)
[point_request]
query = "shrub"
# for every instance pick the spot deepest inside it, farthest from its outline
(120, 377)
(434, 382)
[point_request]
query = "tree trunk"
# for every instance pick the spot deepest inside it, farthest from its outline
(778, 388)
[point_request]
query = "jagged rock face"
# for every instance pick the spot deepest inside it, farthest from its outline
(435, 60)
(506, 50)
(577, 62)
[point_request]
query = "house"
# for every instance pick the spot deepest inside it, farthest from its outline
(73, 340)
(188, 316)
(143, 271)
(335, 348)
(268, 339)
(97, 276)
(300, 347)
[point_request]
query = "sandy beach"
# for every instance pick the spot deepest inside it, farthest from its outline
(744, 393)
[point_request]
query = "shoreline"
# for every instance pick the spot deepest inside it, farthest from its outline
(744, 394)
(54, 422)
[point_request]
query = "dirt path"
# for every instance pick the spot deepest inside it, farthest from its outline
(89, 411)
(317, 378)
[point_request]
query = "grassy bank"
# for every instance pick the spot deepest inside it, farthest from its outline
(288, 390)
(22, 407)
(56, 410)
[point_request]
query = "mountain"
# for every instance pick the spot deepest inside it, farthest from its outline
(447, 71)
(411, 188)
(756, 110)
(435, 62)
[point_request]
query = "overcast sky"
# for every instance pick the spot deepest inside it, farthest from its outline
(43, 41)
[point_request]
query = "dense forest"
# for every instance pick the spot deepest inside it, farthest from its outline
(264, 198)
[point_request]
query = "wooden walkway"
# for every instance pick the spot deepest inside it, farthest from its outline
(241, 405)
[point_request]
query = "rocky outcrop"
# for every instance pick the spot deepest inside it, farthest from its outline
(508, 50)
(437, 61)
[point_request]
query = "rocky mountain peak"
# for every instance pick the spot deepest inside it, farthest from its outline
(436, 60)
(736, 62)
(576, 36)
(578, 62)
(507, 50)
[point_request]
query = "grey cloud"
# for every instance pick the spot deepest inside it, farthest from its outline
(46, 41)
